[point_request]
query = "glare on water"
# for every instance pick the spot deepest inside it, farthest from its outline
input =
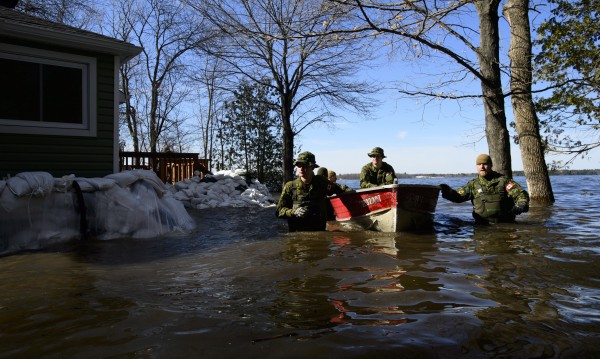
(240, 285)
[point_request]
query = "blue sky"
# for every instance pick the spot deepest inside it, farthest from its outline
(416, 139)
(436, 137)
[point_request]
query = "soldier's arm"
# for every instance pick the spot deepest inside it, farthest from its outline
(285, 203)
(346, 188)
(459, 195)
(518, 194)
(336, 188)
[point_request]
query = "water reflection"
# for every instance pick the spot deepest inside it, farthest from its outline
(363, 279)
(242, 286)
(526, 284)
(42, 313)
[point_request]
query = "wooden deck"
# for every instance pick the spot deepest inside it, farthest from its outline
(171, 167)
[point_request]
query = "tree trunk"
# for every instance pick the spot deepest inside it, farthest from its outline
(527, 124)
(154, 118)
(130, 114)
(288, 145)
(496, 131)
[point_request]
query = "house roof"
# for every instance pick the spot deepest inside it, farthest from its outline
(23, 26)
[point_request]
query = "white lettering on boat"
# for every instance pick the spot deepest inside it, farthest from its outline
(369, 201)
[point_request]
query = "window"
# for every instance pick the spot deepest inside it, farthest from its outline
(45, 92)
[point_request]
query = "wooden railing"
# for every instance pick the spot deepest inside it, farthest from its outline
(171, 167)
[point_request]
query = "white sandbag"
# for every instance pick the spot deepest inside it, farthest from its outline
(175, 216)
(152, 179)
(181, 185)
(31, 184)
(182, 196)
(95, 184)
(8, 201)
(64, 183)
(124, 178)
(35, 222)
(189, 193)
(117, 213)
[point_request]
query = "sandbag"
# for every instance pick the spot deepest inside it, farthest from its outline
(31, 184)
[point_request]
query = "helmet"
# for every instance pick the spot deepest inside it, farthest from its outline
(306, 158)
(322, 172)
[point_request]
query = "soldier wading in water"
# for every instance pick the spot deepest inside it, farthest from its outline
(496, 198)
(303, 200)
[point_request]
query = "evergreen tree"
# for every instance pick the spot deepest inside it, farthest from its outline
(568, 62)
(251, 135)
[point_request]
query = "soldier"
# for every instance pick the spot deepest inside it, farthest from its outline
(322, 171)
(496, 198)
(332, 176)
(377, 172)
(303, 200)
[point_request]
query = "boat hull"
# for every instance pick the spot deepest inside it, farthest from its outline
(389, 208)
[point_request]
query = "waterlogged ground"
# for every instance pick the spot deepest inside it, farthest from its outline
(241, 286)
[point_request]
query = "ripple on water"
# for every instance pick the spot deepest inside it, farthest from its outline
(241, 285)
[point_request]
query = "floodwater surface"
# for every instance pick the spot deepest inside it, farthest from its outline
(241, 286)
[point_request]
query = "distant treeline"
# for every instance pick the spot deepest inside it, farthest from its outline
(355, 176)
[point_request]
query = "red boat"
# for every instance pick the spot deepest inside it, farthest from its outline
(389, 208)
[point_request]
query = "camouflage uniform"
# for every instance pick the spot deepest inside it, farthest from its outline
(311, 196)
(343, 187)
(493, 198)
(295, 194)
(373, 177)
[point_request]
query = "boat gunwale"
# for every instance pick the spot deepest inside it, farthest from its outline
(383, 188)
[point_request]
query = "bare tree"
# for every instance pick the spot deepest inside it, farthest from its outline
(444, 31)
(210, 100)
(526, 120)
(442, 28)
(129, 117)
(167, 31)
(312, 75)
(117, 24)
(170, 117)
(81, 14)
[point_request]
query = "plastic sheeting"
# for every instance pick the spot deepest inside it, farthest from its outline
(37, 210)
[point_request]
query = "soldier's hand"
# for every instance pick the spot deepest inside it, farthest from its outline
(445, 189)
(519, 208)
(300, 212)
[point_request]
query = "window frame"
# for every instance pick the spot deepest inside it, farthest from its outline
(87, 65)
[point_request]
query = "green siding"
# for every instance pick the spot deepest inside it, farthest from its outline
(64, 155)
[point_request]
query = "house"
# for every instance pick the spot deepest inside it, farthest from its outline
(59, 97)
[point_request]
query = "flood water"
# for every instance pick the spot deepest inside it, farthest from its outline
(241, 286)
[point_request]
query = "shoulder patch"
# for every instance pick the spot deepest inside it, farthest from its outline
(510, 185)
(461, 191)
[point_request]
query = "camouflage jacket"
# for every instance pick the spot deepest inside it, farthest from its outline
(296, 193)
(372, 177)
(493, 197)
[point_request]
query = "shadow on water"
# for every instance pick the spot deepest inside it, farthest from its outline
(215, 228)
(240, 285)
